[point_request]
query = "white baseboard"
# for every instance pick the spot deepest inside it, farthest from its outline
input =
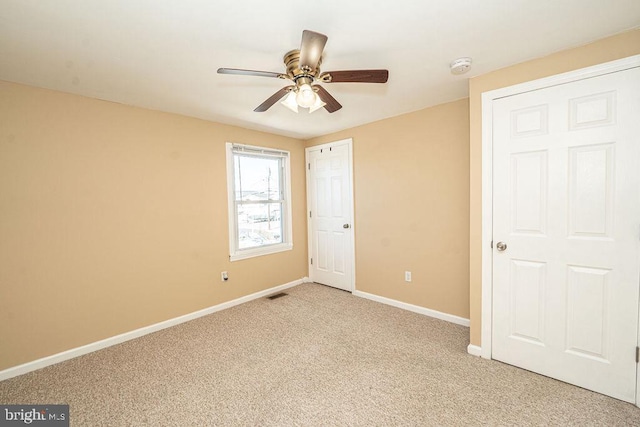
(474, 350)
(108, 342)
(415, 308)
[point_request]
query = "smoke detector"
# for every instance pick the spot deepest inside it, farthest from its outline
(460, 66)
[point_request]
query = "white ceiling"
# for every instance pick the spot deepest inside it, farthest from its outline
(163, 54)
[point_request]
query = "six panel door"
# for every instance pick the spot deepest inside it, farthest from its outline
(567, 206)
(330, 216)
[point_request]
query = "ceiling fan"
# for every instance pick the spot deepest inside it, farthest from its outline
(303, 69)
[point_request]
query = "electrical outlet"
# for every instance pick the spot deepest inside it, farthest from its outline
(407, 276)
(224, 276)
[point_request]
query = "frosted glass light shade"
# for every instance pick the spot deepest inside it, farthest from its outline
(306, 97)
(317, 105)
(290, 102)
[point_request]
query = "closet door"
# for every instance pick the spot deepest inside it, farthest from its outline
(566, 231)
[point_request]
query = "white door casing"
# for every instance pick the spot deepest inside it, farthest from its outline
(330, 214)
(566, 201)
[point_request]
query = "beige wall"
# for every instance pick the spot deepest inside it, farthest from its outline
(113, 218)
(411, 183)
(616, 47)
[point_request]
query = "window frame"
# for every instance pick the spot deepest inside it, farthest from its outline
(235, 253)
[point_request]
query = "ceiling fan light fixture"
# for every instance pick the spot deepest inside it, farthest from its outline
(290, 101)
(317, 105)
(306, 97)
(302, 70)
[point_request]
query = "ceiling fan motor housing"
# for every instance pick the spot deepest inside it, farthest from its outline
(292, 62)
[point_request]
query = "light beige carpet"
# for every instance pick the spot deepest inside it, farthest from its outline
(318, 356)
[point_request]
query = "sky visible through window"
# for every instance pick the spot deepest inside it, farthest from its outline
(258, 195)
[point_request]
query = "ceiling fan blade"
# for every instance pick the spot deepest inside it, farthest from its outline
(332, 104)
(248, 72)
(273, 99)
(356, 76)
(311, 49)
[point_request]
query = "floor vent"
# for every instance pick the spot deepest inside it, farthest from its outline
(279, 295)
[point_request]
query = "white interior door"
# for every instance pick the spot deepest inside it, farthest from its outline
(567, 207)
(330, 206)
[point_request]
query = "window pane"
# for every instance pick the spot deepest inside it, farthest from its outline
(257, 178)
(259, 224)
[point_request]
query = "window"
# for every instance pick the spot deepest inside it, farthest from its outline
(259, 201)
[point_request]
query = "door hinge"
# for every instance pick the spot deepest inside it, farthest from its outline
(311, 261)
(309, 166)
(637, 354)
(492, 244)
(309, 214)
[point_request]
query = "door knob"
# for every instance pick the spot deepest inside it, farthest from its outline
(501, 246)
(345, 226)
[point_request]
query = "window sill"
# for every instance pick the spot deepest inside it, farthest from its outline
(255, 252)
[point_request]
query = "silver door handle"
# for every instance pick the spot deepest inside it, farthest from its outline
(501, 246)
(346, 226)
